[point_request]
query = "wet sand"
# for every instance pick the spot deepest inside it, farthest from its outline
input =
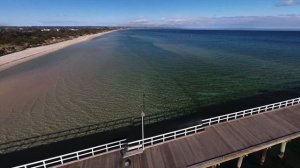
(16, 58)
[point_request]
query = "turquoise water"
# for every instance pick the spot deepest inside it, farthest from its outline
(104, 79)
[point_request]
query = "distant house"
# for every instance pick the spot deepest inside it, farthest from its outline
(45, 30)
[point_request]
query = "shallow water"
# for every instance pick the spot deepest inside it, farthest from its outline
(104, 79)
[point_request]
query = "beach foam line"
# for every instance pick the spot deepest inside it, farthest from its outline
(10, 60)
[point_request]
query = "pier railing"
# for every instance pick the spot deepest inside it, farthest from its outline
(62, 159)
(135, 145)
(25, 143)
(249, 112)
(148, 142)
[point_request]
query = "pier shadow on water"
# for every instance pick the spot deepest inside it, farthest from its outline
(41, 147)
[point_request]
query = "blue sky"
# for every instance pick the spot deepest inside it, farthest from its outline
(166, 13)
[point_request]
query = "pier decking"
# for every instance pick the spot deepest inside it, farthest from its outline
(216, 144)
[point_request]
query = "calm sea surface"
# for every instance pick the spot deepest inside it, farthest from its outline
(104, 79)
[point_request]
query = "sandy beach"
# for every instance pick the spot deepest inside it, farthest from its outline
(16, 58)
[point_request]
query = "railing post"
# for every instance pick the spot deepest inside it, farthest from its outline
(77, 155)
(44, 164)
(106, 148)
(93, 151)
(61, 160)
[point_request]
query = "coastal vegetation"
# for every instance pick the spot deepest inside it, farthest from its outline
(13, 39)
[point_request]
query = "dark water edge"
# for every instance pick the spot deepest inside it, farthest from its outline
(133, 133)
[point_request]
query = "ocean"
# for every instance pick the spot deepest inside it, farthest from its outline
(177, 71)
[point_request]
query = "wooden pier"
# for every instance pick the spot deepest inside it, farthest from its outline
(218, 143)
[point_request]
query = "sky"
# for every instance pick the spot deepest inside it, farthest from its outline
(236, 14)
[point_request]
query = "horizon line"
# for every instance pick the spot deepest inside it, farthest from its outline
(156, 27)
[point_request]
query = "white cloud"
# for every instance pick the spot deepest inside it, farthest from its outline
(139, 21)
(287, 3)
(236, 22)
(60, 23)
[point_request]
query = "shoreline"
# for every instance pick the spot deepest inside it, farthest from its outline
(13, 59)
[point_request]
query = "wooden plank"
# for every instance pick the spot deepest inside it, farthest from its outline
(237, 154)
(167, 157)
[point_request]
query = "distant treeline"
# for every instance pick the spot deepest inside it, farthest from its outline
(13, 39)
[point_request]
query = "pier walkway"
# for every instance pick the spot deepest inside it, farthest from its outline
(216, 140)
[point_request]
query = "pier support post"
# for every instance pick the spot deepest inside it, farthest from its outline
(282, 150)
(240, 161)
(263, 156)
